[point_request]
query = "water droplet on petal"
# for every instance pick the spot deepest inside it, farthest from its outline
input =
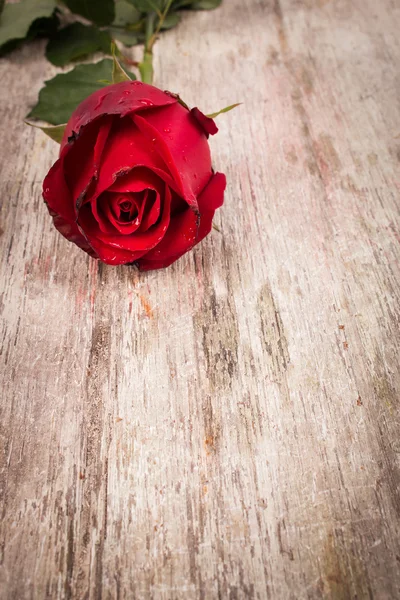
(167, 130)
(146, 102)
(47, 190)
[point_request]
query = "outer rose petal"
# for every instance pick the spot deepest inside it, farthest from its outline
(183, 146)
(56, 193)
(183, 232)
(82, 162)
(206, 123)
(179, 238)
(212, 197)
(72, 233)
(127, 148)
(60, 199)
(152, 265)
(118, 99)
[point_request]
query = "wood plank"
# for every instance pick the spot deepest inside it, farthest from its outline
(227, 427)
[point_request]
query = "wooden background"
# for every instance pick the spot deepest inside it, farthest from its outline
(228, 427)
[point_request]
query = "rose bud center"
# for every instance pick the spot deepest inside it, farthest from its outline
(128, 210)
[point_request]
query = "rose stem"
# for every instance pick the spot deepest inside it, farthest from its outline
(146, 66)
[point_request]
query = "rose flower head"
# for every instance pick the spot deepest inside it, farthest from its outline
(134, 182)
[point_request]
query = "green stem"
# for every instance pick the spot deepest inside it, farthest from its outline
(160, 23)
(146, 66)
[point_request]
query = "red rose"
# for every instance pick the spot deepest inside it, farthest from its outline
(134, 182)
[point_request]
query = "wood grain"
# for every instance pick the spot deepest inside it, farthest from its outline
(227, 427)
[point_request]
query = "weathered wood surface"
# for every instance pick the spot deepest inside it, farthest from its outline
(228, 427)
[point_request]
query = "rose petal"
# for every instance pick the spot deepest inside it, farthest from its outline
(72, 233)
(118, 99)
(56, 193)
(183, 146)
(57, 196)
(152, 213)
(82, 162)
(138, 179)
(111, 255)
(121, 249)
(205, 122)
(126, 149)
(152, 265)
(123, 228)
(144, 240)
(150, 262)
(179, 238)
(212, 196)
(183, 227)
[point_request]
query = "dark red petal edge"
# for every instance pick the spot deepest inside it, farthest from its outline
(205, 122)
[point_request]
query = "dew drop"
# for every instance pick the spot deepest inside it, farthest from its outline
(146, 102)
(126, 93)
(167, 130)
(195, 175)
(184, 157)
(47, 190)
(154, 140)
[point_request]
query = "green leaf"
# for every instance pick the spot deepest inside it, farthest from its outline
(128, 24)
(118, 73)
(17, 19)
(101, 12)
(125, 14)
(62, 94)
(76, 41)
(44, 27)
(205, 4)
(196, 4)
(223, 110)
(148, 6)
(171, 20)
(54, 132)
(128, 38)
